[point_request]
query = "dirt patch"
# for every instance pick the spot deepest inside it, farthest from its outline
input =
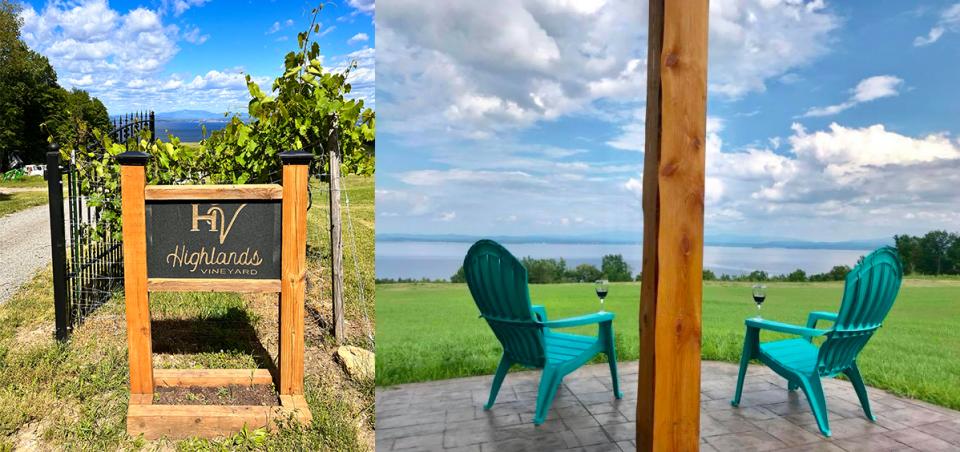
(261, 395)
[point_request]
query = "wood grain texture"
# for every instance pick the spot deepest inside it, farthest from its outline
(293, 280)
(167, 378)
(139, 342)
(141, 399)
(212, 192)
(212, 285)
(205, 421)
(668, 416)
(336, 243)
(651, 219)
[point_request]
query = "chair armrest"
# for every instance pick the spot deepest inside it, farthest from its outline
(820, 315)
(588, 319)
(540, 311)
(784, 328)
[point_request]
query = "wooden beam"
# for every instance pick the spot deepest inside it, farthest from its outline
(205, 421)
(293, 277)
(213, 192)
(168, 378)
(212, 285)
(668, 408)
(133, 212)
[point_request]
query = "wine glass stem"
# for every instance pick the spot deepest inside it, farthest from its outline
(758, 311)
(601, 305)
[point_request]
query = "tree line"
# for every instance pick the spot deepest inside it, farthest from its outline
(613, 267)
(33, 106)
(837, 273)
(934, 253)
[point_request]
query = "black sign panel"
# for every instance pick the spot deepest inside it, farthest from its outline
(216, 240)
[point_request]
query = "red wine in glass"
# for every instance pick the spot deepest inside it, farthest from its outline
(759, 295)
(602, 286)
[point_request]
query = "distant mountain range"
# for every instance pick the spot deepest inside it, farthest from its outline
(635, 238)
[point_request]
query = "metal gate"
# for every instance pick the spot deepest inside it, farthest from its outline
(87, 266)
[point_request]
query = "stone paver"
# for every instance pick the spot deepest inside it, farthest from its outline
(449, 415)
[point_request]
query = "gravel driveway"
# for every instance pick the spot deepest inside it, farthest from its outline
(24, 247)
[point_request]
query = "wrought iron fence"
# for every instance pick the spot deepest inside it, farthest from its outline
(87, 259)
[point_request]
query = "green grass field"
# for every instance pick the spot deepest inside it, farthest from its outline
(15, 202)
(431, 331)
(24, 182)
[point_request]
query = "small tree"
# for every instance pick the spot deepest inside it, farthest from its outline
(709, 275)
(585, 273)
(616, 268)
(459, 277)
(797, 275)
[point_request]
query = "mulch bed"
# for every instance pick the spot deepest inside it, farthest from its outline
(262, 395)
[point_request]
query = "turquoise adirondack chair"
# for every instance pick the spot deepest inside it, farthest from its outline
(498, 283)
(869, 292)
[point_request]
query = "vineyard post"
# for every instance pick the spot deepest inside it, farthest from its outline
(336, 245)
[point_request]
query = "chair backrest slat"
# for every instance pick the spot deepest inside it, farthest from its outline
(498, 284)
(870, 290)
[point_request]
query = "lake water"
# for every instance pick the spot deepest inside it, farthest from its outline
(187, 131)
(439, 260)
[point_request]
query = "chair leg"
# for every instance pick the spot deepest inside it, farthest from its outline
(498, 380)
(749, 345)
(791, 386)
(814, 392)
(853, 373)
(549, 381)
(612, 359)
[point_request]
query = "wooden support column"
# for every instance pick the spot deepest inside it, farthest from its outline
(139, 342)
(668, 405)
(293, 267)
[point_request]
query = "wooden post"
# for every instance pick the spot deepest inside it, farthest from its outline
(668, 398)
(336, 244)
(293, 265)
(139, 342)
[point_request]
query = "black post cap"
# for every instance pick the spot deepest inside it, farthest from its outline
(133, 158)
(296, 158)
(53, 147)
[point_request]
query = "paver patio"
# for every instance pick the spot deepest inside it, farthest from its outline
(449, 415)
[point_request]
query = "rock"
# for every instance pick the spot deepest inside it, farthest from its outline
(356, 361)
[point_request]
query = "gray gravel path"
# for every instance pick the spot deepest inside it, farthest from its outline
(24, 247)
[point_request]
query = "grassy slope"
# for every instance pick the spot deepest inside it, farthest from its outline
(74, 396)
(15, 202)
(431, 331)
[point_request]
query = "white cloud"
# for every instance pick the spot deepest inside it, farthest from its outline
(193, 36)
(949, 20)
(178, 7)
(89, 37)
(752, 41)
(365, 6)
(835, 184)
(359, 37)
(868, 89)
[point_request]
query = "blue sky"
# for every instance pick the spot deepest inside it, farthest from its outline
(170, 55)
(828, 120)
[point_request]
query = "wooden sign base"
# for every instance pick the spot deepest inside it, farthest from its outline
(209, 421)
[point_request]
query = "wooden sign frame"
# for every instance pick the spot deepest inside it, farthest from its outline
(179, 421)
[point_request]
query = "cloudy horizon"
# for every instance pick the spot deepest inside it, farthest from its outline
(526, 118)
(169, 55)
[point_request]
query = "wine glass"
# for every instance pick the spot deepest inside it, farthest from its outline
(602, 286)
(759, 294)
